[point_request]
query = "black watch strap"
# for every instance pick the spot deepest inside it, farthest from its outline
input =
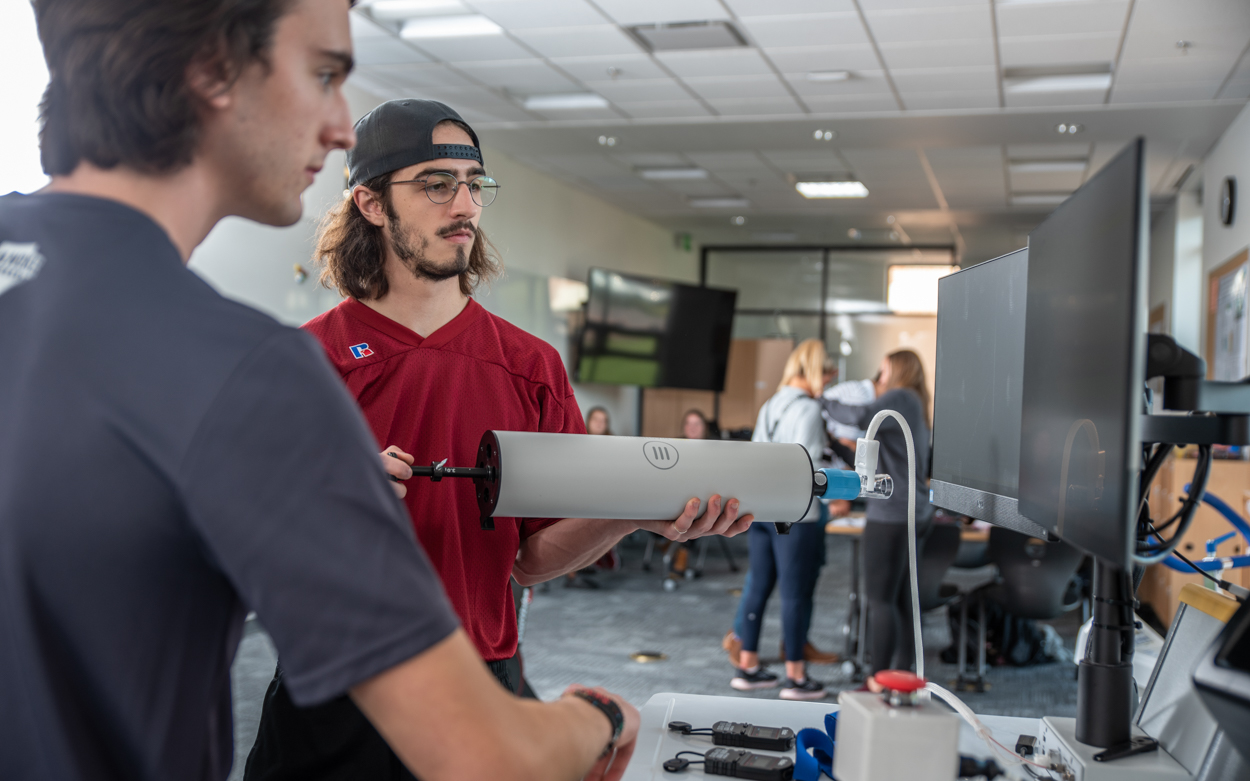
(610, 709)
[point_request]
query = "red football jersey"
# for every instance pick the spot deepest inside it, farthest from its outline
(434, 397)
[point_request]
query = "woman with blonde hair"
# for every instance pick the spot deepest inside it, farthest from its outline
(792, 560)
(901, 387)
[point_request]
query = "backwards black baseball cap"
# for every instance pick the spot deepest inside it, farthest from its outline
(399, 133)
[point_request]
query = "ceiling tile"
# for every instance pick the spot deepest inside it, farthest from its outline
(767, 7)
(801, 59)
(742, 87)
(1178, 67)
(1061, 18)
(430, 75)
(1142, 42)
(1058, 49)
(586, 164)
(629, 12)
(651, 159)
(967, 52)
(930, 24)
(522, 77)
(639, 90)
(491, 47)
(1180, 18)
(959, 99)
(1237, 89)
(756, 106)
(808, 162)
(945, 79)
(664, 109)
(599, 40)
(847, 103)
(901, 5)
(696, 187)
(385, 51)
(549, 13)
(723, 63)
(829, 29)
(860, 83)
(723, 162)
(364, 27)
(565, 115)
(1153, 93)
(620, 183)
(369, 82)
(627, 66)
(887, 166)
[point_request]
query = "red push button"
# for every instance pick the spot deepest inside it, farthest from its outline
(900, 680)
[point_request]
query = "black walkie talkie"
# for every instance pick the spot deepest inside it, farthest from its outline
(732, 733)
(743, 764)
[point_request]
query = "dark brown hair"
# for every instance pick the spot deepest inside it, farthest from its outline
(906, 371)
(352, 250)
(118, 93)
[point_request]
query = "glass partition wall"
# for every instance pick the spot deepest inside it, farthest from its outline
(836, 294)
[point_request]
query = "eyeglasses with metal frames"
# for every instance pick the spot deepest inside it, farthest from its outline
(441, 188)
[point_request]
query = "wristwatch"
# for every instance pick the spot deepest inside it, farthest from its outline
(608, 708)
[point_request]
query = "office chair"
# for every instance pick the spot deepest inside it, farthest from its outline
(941, 546)
(1033, 583)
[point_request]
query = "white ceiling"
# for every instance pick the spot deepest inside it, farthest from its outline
(930, 120)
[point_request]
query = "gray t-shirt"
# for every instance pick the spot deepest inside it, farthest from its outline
(793, 417)
(169, 459)
(892, 457)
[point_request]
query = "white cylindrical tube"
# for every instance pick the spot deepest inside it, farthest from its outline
(639, 478)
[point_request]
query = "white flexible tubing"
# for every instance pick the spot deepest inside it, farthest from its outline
(911, 524)
(983, 732)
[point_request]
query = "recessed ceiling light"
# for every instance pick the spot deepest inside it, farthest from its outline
(1038, 199)
(1089, 82)
(666, 174)
(1068, 128)
(719, 203)
(564, 101)
(607, 140)
(832, 189)
(407, 9)
(1069, 166)
(828, 75)
(464, 26)
(825, 135)
(739, 220)
(854, 233)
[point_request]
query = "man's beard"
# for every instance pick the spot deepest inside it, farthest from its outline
(414, 259)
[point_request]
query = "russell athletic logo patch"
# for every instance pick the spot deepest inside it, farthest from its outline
(360, 350)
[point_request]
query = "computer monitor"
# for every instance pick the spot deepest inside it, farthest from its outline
(977, 383)
(1084, 355)
(655, 333)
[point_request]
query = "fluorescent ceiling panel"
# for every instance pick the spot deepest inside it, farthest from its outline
(1048, 166)
(565, 101)
(832, 189)
(828, 75)
(719, 203)
(671, 174)
(688, 36)
(1038, 199)
(409, 9)
(1092, 82)
(914, 289)
(464, 26)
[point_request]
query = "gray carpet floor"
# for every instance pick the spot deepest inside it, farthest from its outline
(587, 636)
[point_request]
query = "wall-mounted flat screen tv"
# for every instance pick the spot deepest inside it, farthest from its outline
(654, 333)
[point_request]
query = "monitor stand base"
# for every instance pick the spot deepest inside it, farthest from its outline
(1080, 762)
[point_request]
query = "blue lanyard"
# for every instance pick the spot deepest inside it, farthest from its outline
(809, 766)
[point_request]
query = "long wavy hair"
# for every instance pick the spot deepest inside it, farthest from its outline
(352, 250)
(808, 362)
(906, 371)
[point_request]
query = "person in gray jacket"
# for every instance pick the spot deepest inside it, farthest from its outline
(792, 560)
(901, 387)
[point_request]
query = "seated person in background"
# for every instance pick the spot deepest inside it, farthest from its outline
(597, 422)
(901, 386)
(432, 370)
(695, 425)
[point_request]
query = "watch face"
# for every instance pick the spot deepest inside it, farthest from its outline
(1228, 200)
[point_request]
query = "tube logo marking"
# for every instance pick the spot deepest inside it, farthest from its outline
(661, 455)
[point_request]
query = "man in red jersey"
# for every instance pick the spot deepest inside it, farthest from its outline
(432, 371)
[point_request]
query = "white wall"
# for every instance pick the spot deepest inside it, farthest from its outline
(540, 226)
(1229, 157)
(1162, 254)
(1186, 310)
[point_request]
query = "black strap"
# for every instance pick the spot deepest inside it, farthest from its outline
(772, 430)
